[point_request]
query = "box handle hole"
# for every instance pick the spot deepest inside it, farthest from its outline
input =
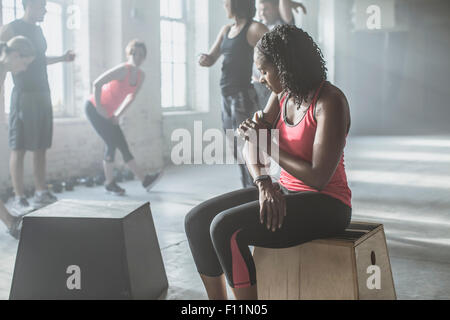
(373, 258)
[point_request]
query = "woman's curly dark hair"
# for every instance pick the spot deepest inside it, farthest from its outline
(245, 9)
(300, 63)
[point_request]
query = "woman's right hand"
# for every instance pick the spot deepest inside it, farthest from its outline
(101, 111)
(272, 205)
(205, 60)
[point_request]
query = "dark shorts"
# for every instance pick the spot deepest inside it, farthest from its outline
(30, 121)
(238, 107)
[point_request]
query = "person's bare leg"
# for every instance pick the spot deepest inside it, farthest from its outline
(250, 293)
(16, 168)
(39, 163)
(108, 167)
(137, 171)
(215, 287)
(5, 216)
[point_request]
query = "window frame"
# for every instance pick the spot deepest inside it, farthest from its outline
(189, 88)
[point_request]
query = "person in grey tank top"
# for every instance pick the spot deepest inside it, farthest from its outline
(273, 13)
(236, 42)
(31, 116)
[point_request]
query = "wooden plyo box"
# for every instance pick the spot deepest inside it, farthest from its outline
(339, 268)
(89, 250)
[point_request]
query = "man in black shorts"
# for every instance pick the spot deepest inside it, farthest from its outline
(31, 117)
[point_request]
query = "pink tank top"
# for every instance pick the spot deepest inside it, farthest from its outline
(115, 92)
(298, 140)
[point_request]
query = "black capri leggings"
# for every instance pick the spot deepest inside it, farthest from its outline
(220, 230)
(110, 133)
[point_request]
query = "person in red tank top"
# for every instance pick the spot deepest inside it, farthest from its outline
(311, 201)
(312, 116)
(114, 92)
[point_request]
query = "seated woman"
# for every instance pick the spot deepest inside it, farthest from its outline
(311, 200)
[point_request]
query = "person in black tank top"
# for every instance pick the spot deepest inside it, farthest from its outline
(31, 115)
(236, 43)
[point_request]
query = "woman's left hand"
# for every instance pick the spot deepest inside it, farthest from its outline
(255, 127)
(297, 5)
(272, 205)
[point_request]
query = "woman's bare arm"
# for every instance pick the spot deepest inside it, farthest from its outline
(333, 120)
(130, 98)
(256, 32)
(269, 116)
(117, 73)
(208, 60)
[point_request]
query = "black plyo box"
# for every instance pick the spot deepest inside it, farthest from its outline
(88, 250)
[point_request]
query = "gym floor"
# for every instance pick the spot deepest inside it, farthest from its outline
(402, 182)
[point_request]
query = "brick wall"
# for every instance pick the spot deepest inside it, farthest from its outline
(106, 28)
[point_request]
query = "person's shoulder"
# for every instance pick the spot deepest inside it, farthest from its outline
(258, 26)
(226, 28)
(7, 31)
(14, 23)
(120, 70)
(331, 99)
(7, 27)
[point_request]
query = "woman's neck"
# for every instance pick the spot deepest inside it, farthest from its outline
(240, 21)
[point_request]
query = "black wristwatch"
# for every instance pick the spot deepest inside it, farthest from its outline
(262, 178)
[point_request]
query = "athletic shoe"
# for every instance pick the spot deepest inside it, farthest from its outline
(15, 229)
(114, 189)
(150, 180)
(20, 207)
(43, 199)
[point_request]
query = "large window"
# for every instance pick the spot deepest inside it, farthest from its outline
(57, 36)
(174, 54)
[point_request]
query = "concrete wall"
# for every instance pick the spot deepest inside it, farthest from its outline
(396, 79)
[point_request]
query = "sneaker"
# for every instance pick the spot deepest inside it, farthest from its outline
(150, 180)
(114, 189)
(43, 199)
(20, 207)
(15, 229)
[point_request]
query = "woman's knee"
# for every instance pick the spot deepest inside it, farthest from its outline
(195, 222)
(110, 154)
(220, 228)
